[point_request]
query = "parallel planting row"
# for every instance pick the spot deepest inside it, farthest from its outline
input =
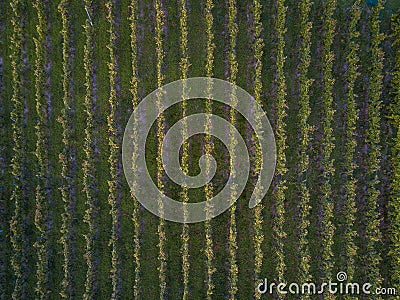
(327, 73)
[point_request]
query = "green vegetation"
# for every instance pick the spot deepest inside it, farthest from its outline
(208, 189)
(350, 166)
(258, 218)
(113, 157)
(42, 205)
(135, 101)
(184, 66)
(88, 165)
(18, 259)
(66, 156)
(373, 216)
(304, 137)
(327, 226)
(160, 134)
(281, 145)
(395, 199)
(72, 72)
(232, 77)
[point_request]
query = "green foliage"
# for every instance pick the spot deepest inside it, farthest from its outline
(373, 218)
(184, 68)
(305, 130)
(114, 149)
(352, 58)
(280, 134)
(327, 226)
(394, 203)
(65, 158)
(209, 192)
(88, 165)
(135, 101)
(162, 257)
(41, 152)
(54, 66)
(233, 70)
(18, 258)
(258, 45)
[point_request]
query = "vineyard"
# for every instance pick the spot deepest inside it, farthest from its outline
(327, 75)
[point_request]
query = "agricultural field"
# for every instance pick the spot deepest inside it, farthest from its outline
(327, 75)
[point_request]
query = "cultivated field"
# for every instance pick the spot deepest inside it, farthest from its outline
(327, 74)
